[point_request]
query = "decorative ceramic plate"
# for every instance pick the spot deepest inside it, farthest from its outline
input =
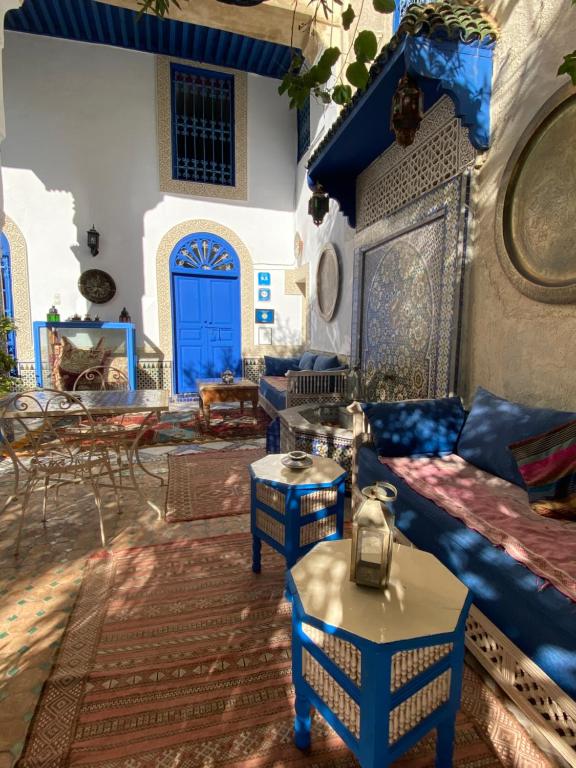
(97, 286)
(328, 282)
(538, 224)
(291, 464)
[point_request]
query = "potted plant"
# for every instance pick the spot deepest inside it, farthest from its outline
(7, 362)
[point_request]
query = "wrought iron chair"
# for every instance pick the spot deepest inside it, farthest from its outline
(101, 378)
(54, 453)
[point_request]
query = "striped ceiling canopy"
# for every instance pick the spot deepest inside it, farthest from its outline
(90, 21)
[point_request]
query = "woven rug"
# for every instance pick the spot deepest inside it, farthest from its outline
(189, 426)
(178, 656)
(205, 485)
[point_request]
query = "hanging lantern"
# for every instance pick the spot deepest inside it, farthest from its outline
(407, 111)
(93, 240)
(373, 537)
(318, 204)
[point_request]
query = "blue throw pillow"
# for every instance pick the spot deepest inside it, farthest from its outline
(493, 423)
(326, 362)
(279, 366)
(416, 427)
(307, 361)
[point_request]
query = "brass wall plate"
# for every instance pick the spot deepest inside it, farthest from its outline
(97, 286)
(536, 226)
(328, 282)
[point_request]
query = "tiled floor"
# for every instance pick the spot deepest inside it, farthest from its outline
(38, 589)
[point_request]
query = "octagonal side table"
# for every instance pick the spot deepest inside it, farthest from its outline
(382, 667)
(292, 510)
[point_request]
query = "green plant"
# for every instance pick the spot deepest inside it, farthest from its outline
(568, 67)
(6, 362)
(299, 83)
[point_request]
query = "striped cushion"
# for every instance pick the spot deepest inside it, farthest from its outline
(547, 463)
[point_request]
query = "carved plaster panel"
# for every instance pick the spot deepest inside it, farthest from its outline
(440, 151)
(20, 290)
(167, 184)
(163, 281)
(296, 284)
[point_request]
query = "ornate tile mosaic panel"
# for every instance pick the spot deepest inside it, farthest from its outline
(409, 274)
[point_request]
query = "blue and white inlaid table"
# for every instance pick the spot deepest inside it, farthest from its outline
(292, 510)
(383, 667)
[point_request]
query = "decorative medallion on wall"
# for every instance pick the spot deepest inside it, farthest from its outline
(97, 286)
(328, 282)
(536, 223)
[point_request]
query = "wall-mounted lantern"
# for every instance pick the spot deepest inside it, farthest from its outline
(318, 204)
(93, 240)
(407, 110)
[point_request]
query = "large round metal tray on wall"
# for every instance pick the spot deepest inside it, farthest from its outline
(97, 286)
(536, 226)
(328, 282)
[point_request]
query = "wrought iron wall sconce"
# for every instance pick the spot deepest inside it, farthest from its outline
(318, 204)
(93, 240)
(407, 110)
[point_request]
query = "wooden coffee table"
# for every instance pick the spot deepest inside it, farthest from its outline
(215, 391)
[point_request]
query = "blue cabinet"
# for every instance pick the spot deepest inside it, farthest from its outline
(117, 341)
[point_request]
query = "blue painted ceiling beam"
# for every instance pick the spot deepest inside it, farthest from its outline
(90, 21)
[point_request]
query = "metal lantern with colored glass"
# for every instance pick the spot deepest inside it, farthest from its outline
(407, 110)
(373, 537)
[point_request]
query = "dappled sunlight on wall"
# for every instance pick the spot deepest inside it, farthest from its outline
(517, 347)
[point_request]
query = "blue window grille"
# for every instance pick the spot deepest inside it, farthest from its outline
(7, 299)
(303, 117)
(401, 6)
(204, 253)
(202, 126)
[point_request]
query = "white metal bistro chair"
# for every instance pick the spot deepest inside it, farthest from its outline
(102, 378)
(52, 441)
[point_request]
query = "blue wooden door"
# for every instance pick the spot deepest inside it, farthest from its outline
(206, 310)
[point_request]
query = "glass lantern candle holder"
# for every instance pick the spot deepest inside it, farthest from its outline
(373, 537)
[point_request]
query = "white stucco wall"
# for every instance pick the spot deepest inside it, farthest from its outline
(81, 149)
(335, 335)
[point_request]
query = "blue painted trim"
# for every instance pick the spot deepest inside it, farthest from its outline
(128, 328)
(93, 22)
(463, 71)
(7, 296)
(212, 240)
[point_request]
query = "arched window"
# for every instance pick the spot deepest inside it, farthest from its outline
(202, 253)
(7, 305)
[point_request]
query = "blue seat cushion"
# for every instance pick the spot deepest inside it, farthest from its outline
(307, 361)
(326, 362)
(275, 397)
(493, 423)
(416, 427)
(541, 622)
(279, 366)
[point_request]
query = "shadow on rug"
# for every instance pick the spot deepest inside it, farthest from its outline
(178, 655)
(205, 485)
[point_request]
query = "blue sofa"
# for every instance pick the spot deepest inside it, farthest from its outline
(524, 634)
(309, 378)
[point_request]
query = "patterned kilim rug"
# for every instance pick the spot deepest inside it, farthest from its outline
(204, 485)
(225, 424)
(177, 655)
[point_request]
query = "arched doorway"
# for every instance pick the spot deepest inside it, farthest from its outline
(205, 286)
(7, 300)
